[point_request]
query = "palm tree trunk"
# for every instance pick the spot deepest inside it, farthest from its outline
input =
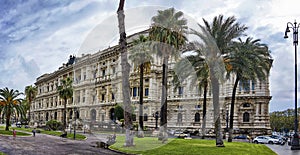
(65, 113)
(141, 123)
(7, 121)
(216, 105)
(232, 108)
(164, 108)
(29, 112)
(1, 116)
(125, 76)
(204, 111)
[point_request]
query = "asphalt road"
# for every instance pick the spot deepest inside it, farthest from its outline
(43, 144)
(282, 149)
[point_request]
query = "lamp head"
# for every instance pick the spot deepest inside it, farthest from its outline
(287, 30)
(285, 35)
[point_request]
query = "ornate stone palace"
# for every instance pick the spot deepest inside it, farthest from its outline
(97, 90)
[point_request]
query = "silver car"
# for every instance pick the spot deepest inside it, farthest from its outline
(264, 140)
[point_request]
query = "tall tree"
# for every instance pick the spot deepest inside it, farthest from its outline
(140, 55)
(282, 121)
(246, 60)
(167, 32)
(125, 76)
(65, 91)
(30, 92)
(11, 104)
(195, 67)
(224, 31)
(209, 49)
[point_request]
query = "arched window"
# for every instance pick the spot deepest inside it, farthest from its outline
(197, 117)
(55, 115)
(103, 117)
(47, 116)
(112, 114)
(77, 114)
(93, 115)
(179, 117)
(145, 117)
(246, 117)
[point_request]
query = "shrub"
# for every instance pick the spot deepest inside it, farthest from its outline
(54, 125)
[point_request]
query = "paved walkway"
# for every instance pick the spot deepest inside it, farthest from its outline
(283, 149)
(52, 145)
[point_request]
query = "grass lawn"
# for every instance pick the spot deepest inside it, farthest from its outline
(3, 132)
(151, 146)
(54, 133)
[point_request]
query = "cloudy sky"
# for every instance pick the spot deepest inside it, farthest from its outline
(36, 36)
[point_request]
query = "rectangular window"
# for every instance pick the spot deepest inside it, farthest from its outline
(245, 86)
(112, 96)
(95, 74)
(180, 90)
(78, 99)
(103, 97)
(134, 91)
(146, 91)
(114, 70)
(103, 72)
(253, 86)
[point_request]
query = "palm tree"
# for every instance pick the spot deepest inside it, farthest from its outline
(196, 65)
(125, 76)
(214, 61)
(168, 34)
(223, 32)
(247, 60)
(11, 104)
(65, 91)
(30, 92)
(140, 55)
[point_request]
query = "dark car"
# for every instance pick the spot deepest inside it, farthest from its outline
(240, 137)
(19, 124)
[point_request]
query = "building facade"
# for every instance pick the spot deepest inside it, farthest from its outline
(97, 89)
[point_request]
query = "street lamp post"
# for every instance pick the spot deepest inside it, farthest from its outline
(294, 27)
(75, 114)
(226, 120)
(156, 118)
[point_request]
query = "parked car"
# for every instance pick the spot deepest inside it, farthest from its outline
(19, 124)
(264, 140)
(180, 134)
(278, 139)
(240, 137)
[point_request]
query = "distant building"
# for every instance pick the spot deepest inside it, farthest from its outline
(97, 89)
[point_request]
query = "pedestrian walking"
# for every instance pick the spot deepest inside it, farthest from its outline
(33, 132)
(14, 134)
